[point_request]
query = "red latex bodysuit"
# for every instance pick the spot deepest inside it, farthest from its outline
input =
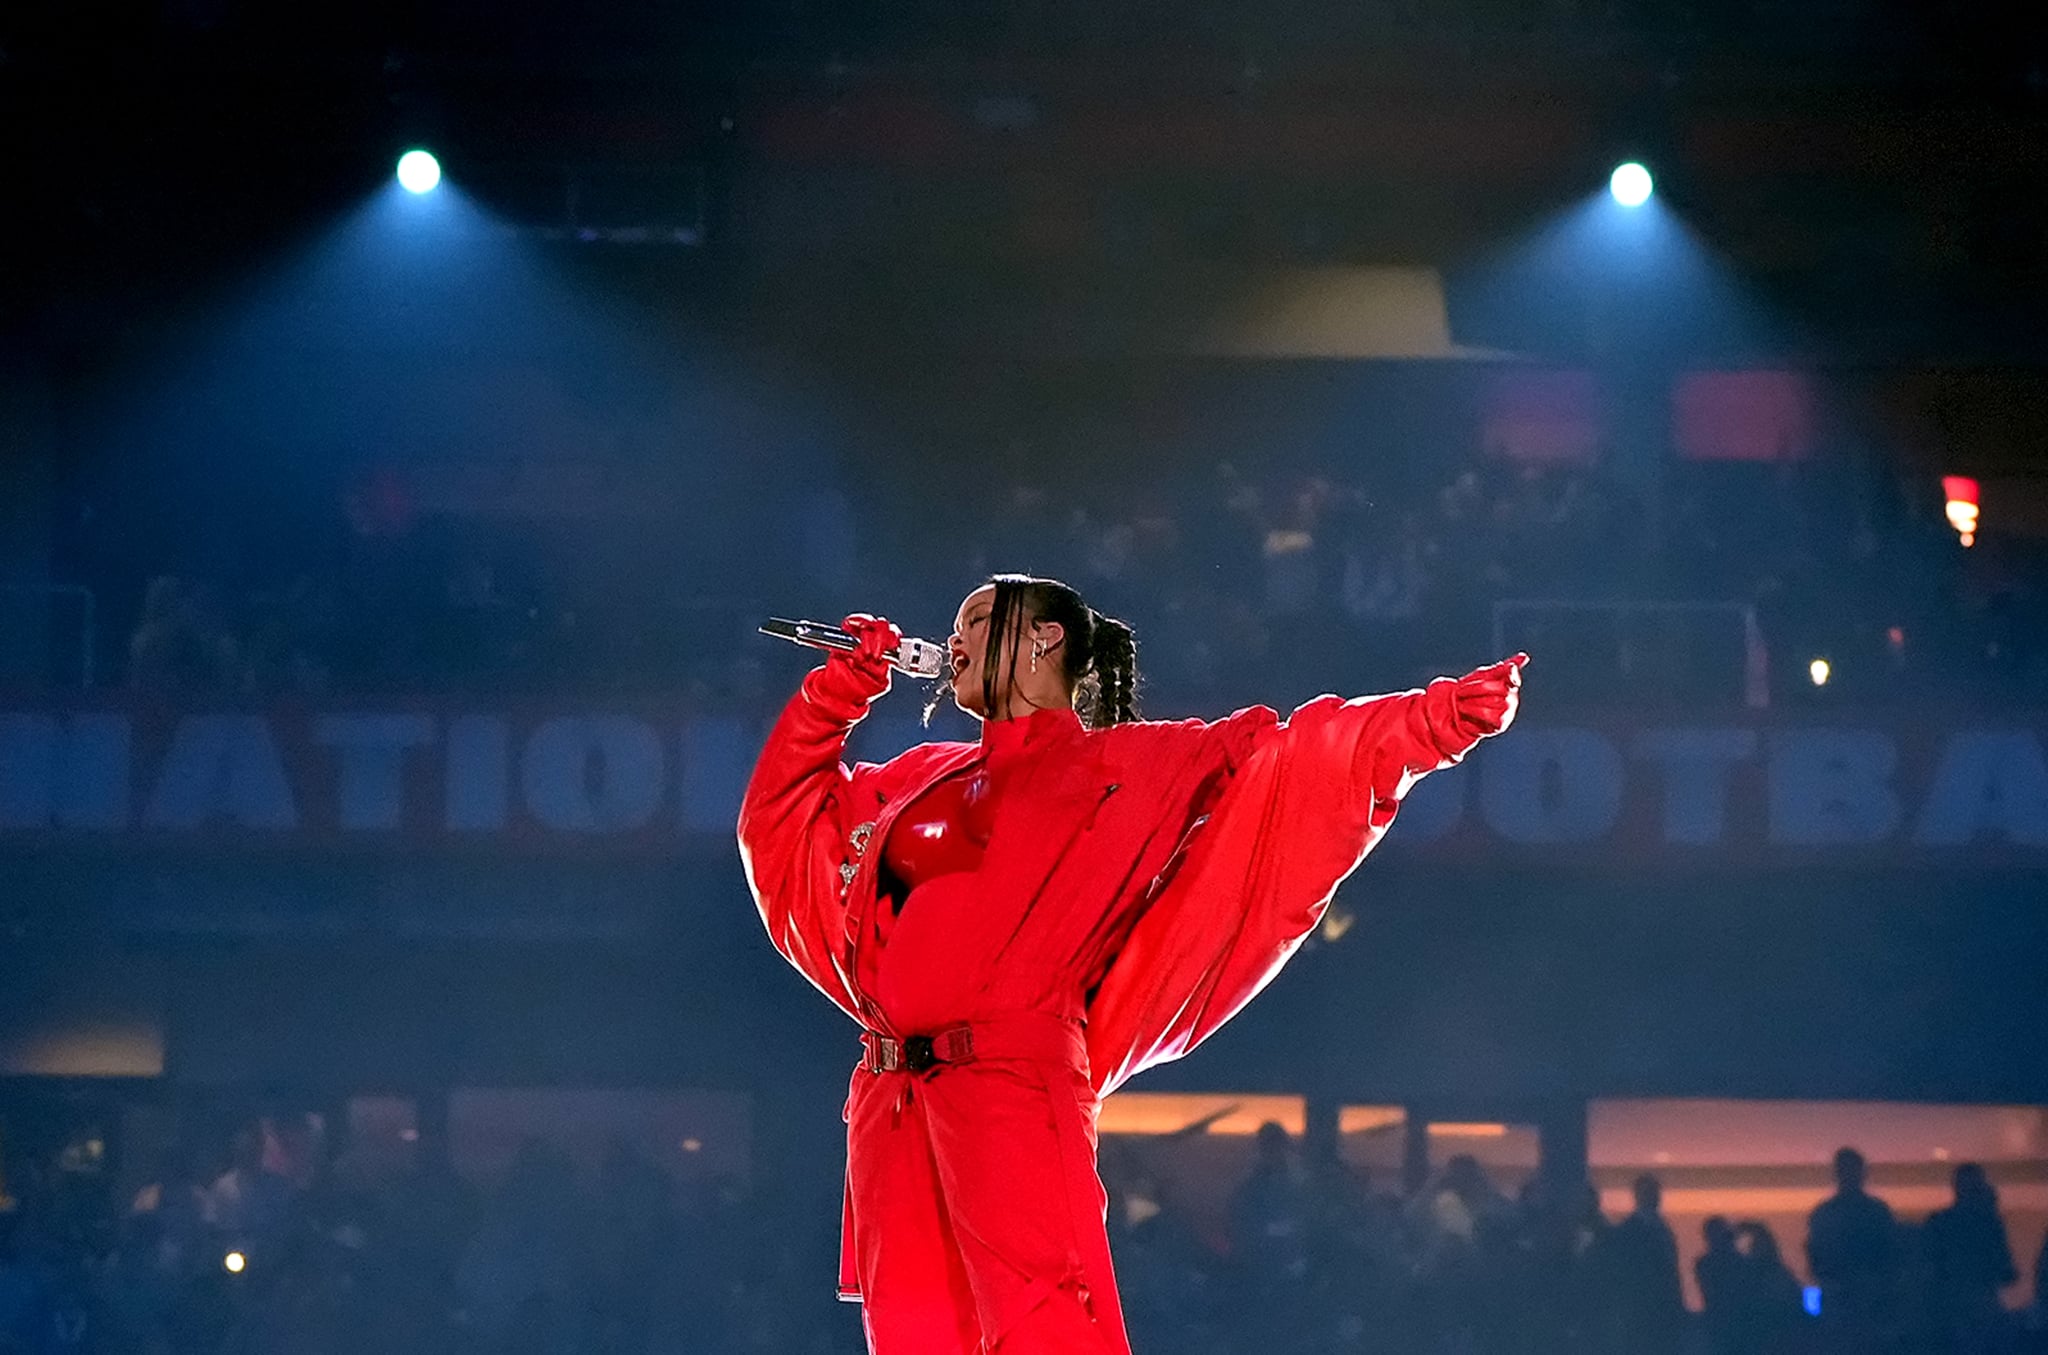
(1083, 904)
(944, 833)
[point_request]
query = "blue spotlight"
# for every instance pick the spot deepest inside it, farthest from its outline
(1630, 185)
(418, 172)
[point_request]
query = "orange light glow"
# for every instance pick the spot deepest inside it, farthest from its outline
(1962, 508)
(1172, 1112)
(1707, 1133)
(1450, 1129)
(1370, 1119)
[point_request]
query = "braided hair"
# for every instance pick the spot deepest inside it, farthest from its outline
(1099, 656)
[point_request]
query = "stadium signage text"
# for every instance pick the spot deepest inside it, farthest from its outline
(637, 781)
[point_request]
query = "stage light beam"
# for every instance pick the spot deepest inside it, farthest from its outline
(1631, 185)
(418, 172)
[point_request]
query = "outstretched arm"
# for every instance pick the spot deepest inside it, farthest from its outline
(1429, 730)
(791, 834)
(1302, 804)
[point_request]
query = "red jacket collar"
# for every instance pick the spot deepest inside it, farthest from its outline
(1002, 739)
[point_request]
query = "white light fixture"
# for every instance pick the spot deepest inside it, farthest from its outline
(418, 172)
(1631, 185)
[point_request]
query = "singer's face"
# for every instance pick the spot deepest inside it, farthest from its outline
(967, 647)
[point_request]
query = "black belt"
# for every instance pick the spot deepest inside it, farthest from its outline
(916, 1053)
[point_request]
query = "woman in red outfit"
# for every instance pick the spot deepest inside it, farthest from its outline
(1020, 924)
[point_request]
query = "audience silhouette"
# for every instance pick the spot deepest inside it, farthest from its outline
(1852, 1251)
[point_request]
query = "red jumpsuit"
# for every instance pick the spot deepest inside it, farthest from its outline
(1085, 904)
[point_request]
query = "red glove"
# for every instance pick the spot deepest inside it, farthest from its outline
(1488, 698)
(859, 676)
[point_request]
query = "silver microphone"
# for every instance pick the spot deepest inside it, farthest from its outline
(918, 658)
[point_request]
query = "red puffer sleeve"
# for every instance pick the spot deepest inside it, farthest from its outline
(794, 827)
(1299, 805)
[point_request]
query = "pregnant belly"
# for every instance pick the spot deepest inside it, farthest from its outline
(939, 960)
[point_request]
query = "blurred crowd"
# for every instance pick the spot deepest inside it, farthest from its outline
(1241, 587)
(275, 1250)
(1722, 595)
(281, 1252)
(1319, 1261)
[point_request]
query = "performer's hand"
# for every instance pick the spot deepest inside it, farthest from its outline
(852, 679)
(867, 666)
(1488, 698)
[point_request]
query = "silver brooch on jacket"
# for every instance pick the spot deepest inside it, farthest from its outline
(858, 838)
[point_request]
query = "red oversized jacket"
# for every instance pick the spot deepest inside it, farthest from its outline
(1168, 867)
